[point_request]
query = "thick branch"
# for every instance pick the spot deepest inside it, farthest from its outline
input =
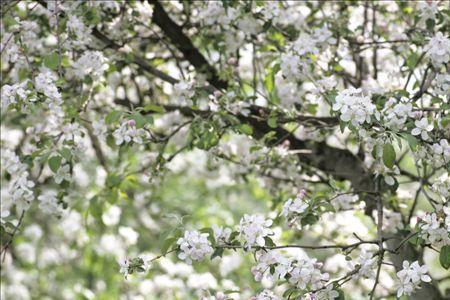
(175, 33)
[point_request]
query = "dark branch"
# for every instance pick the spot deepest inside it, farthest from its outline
(175, 33)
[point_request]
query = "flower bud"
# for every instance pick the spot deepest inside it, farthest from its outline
(232, 61)
(418, 114)
(131, 122)
(218, 94)
(29, 130)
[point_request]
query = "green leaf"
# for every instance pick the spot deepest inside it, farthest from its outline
(444, 257)
(113, 180)
(388, 155)
(269, 242)
(54, 163)
(445, 121)
(167, 244)
(245, 129)
(113, 117)
(66, 153)
(96, 208)
(51, 61)
(412, 60)
(155, 108)
(341, 295)
(217, 253)
(140, 119)
(272, 122)
(412, 141)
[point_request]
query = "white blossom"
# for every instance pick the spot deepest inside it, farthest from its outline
(366, 263)
(63, 173)
(50, 204)
(265, 295)
(344, 201)
(194, 246)
(91, 63)
(442, 86)
(328, 293)
(292, 209)
(432, 229)
(439, 49)
(183, 92)
(354, 106)
(422, 128)
(222, 235)
(253, 229)
(127, 132)
(410, 278)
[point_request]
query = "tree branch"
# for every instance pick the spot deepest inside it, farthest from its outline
(175, 33)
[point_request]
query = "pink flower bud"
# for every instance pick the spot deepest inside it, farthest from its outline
(218, 94)
(132, 123)
(418, 114)
(301, 193)
(286, 143)
(232, 61)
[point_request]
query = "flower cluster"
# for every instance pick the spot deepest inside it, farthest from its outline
(442, 186)
(344, 201)
(91, 63)
(45, 83)
(303, 273)
(436, 154)
(12, 94)
(183, 92)
(253, 229)
(442, 86)
(392, 221)
(293, 67)
(410, 278)
(265, 295)
(20, 186)
(127, 132)
(439, 49)
(221, 235)
(82, 32)
(50, 204)
(365, 265)
(396, 113)
(293, 209)
(194, 246)
(354, 106)
(434, 227)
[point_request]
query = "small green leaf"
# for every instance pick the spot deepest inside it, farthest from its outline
(412, 141)
(444, 257)
(113, 117)
(113, 180)
(167, 244)
(245, 129)
(388, 155)
(51, 61)
(155, 108)
(54, 163)
(140, 119)
(217, 253)
(269, 242)
(95, 208)
(66, 153)
(272, 122)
